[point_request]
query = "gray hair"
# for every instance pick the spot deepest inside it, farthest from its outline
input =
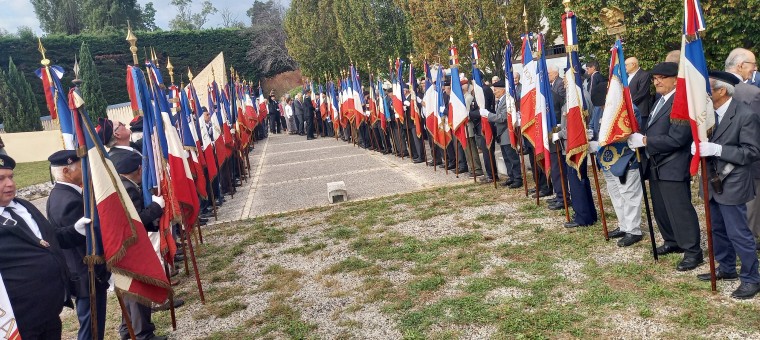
(57, 171)
(719, 84)
(735, 58)
(553, 68)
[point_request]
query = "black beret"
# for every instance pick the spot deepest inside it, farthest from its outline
(6, 162)
(129, 163)
(63, 157)
(725, 77)
(500, 84)
(667, 69)
(104, 130)
(136, 125)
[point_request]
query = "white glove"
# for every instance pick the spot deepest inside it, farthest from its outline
(635, 140)
(80, 225)
(593, 146)
(366, 113)
(693, 148)
(590, 134)
(406, 103)
(555, 137)
(707, 149)
(484, 113)
(232, 131)
(159, 200)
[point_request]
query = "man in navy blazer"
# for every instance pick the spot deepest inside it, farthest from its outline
(667, 143)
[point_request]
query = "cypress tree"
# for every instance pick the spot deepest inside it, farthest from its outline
(8, 103)
(27, 112)
(92, 93)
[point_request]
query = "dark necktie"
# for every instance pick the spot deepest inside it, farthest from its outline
(21, 223)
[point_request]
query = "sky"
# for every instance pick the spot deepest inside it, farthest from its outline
(17, 13)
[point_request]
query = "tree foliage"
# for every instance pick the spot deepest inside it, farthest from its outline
(74, 17)
(91, 90)
(8, 102)
(27, 114)
(186, 19)
(312, 37)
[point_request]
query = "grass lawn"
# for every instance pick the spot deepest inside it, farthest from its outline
(31, 173)
(465, 261)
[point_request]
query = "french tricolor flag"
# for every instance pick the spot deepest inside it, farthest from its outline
(56, 102)
(126, 248)
(692, 98)
(458, 110)
(398, 91)
(480, 98)
(528, 80)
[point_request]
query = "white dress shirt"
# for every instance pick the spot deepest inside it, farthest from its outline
(722, 110)
(24, 214)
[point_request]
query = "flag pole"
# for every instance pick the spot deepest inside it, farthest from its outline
(195, 264)
(599, 198)
(125, 314)
(708, 223)
(563, 180)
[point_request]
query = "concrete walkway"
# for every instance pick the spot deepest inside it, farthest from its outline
(291, 173)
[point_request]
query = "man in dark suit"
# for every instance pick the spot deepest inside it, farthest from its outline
(31, 261)
(298, 113)
(275, 124)
(639, 82)
(557, 158)
(476, 116)
(65, 208)
(130, 171)
(505, 106)
(308, 114)
(742, 64)
(667, 145)
(732, 148)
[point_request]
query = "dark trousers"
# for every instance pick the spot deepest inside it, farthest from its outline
(51, 330)
(418, 146)
(489, 158)
(274, 123)
(330, 129)
(675, 216)
(379, 139)
(580, 191)
(141, 322)
(319, 128)
(85, 319)
(537, 170)
(299, 124)
(731, 238)
(309, 126)
(364, 139)
(512, 161)
(558, 162)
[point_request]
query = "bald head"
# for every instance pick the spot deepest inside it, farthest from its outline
(742, 62)
(553, 73)
(631, 65)
(673, 56)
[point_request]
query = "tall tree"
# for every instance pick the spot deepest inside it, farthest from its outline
(267, 52)
(59, 16)
(149, 17)
(8, 102)
(186, 19)
(91, 90)
(27, 112)
(101, 15)
(315, 43)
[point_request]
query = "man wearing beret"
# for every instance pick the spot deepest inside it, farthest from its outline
(666, 143)
(732, 148)
(505, 104)
(65, 211)
(130, 170)
(31, 261)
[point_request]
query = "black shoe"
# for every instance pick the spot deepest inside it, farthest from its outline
(486, 180)
(573, 224)
(179, 258)
(207, 215)
(463, 171)
(556, 206)
(719, 275)
(746, 291)
(531, 191)
(508, 182)
(310, 138)
(451, 167)
(542, 194)
(202, 219)
(165, 306)
(415, 161)
(430, 163)
(667, 249)
(629, 240)
(689, 263)
(516, 185)
(476, 174)
(616, 233)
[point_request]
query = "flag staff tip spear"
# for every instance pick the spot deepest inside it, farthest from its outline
(132, 39)
(189, 74)
(525, 18)
(170, 67)
(45, 61)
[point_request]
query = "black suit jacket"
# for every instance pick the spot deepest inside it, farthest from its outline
(65, 207)
(640, 86)
(35, 277)
(739, 137)
(147, 214)
(518, 95)
(598, 89)
(668, 146)
(308, 108)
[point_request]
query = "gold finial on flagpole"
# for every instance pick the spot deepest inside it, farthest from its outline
(506, 28)
(470, 34)
(567, 5)
(169, 67)
(132, 39)
(525, 18)
(45, 61)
